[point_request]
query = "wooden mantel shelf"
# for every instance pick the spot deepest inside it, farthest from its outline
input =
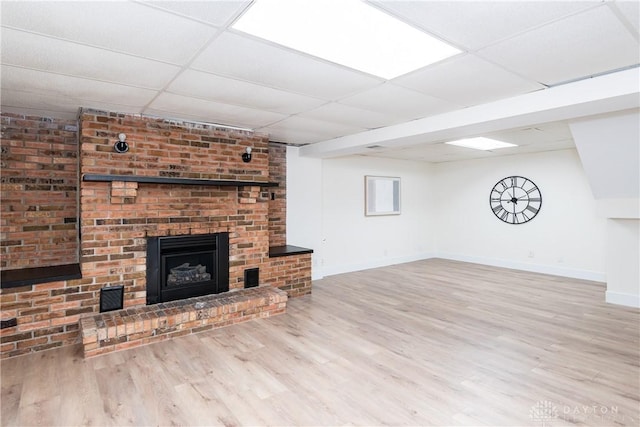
(179, 181)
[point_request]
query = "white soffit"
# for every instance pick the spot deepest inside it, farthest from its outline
(609, 150)
(612, 92)
(346, 32)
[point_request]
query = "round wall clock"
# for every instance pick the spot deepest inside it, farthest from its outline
(515, 200)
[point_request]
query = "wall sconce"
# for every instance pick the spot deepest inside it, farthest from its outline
(246, 156)
(121, 146)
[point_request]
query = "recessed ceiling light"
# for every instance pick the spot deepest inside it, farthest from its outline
(481, 143)
(347, 32)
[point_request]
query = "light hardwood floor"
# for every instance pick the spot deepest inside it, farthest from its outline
(426, 343)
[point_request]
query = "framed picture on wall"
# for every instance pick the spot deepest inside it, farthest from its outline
(381, 195)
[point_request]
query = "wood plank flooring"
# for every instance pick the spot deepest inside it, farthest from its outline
(433, 342)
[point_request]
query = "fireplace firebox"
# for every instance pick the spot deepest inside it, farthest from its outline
(180, 267)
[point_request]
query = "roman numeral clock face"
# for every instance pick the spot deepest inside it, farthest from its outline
(515, 200)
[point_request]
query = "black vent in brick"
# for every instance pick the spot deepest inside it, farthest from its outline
(8, 323)
(111, 298)
(251, 277)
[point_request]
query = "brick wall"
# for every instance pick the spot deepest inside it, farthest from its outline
(39, 183)
(47, 316)
(117, 217)
(170, 148)
(291, 274)
(278, 199)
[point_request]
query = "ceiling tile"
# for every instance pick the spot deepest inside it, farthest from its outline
(292, 136)
(399, 102)
(60, 106)
(116, 56)
(589, 43)
(54, 55)
(251, 60)
(467, 80)
(474, 24)
(535, 135)
(82, 91)
(312, 130)
(344, 114)
(218, 13)
(630, 10)
(116, 25)
(229, 91)
(178, 106)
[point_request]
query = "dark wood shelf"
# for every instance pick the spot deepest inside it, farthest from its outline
(287, 250)
(178, 181)
(35, 275)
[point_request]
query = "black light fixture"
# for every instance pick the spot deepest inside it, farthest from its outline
(246, 156)
(121, 146)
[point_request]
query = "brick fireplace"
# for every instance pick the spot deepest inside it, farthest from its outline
(117, 217)
(177, 179)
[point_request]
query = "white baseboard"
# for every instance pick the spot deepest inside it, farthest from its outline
(628, 300)
(534, 268)
(596, 276)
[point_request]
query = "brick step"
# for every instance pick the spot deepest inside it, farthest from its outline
(131, 327)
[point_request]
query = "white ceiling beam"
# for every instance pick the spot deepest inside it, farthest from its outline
(604, 94)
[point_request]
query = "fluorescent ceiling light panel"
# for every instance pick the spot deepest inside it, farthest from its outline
(481, 143)
(347, 32)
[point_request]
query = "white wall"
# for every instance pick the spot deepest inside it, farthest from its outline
(304, 205)
(353, 241)
(623, 262)
(566, 238)
(610, 152)
(445, 213)
(325, 212)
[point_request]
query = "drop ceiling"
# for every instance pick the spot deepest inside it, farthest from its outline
(182, 60)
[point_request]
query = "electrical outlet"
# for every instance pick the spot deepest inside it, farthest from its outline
(531, 254)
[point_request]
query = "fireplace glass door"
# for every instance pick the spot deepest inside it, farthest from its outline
(187, 266)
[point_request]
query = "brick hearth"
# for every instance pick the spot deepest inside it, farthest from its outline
(124, 329)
